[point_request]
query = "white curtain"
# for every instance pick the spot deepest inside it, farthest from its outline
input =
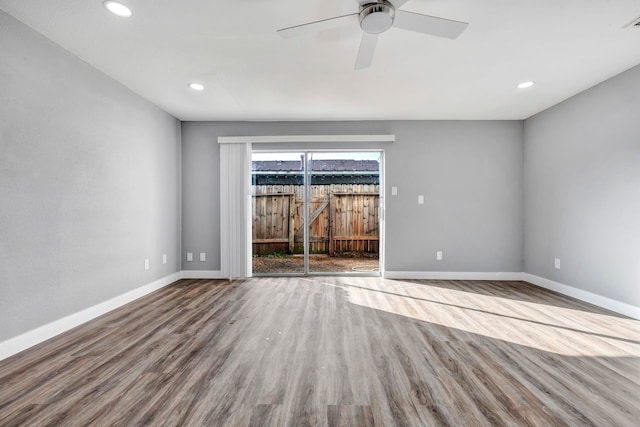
(235, 209)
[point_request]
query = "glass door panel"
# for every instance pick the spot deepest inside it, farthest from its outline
(344, 198)
(277, 189)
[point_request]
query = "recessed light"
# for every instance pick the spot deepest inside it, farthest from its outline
(196, 86)
(525, 85)
(118, 9)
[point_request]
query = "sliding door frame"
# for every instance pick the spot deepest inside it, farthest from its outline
(307, 199)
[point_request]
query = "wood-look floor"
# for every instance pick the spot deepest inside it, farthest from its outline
(334, 351)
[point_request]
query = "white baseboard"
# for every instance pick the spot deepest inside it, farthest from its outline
(42, 333)
(591, 298)
(201, 274)
(452, 275)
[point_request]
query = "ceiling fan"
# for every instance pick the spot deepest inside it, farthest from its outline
(376, 17)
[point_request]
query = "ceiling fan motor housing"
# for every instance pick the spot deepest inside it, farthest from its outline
(377, 17)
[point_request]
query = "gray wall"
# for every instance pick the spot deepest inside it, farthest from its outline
(582, 190)
(89, 184)
(469, 172)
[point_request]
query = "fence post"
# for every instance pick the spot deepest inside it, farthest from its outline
(292, 234)
(331, 249)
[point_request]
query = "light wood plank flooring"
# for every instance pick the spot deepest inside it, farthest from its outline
(334, 351)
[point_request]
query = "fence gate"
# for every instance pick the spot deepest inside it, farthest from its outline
(342, 217)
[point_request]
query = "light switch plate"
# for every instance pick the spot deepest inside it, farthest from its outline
(421, 199)
(394, 191)
(146, 264)
(203, 256)
(164, 258)
(556, 263)
(189, 256)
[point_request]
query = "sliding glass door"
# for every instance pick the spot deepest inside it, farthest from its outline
(343, 204)
(316, 212)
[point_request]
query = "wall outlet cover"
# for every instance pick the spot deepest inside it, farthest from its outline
(164, 258)
(439, 256)
(203, 256)
(189, 256)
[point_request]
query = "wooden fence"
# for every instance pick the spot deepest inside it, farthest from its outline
(343, 218)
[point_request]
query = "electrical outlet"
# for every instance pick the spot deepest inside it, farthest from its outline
(421, 199)
(203, 256)
(394, 191)
(556, 263)
(189, 256)
(146, 264)
(164, 258)
(439, 256)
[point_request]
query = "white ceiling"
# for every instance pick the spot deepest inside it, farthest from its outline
(251, 73)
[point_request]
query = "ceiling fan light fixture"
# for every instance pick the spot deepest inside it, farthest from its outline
(196, 86)
(525, 85)
(118, 9)
(376, 18)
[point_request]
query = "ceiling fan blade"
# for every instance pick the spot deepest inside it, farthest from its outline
(429, 24)
(313, 27)
(367, 48)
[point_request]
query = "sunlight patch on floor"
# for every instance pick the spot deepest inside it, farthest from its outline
(545, 326)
